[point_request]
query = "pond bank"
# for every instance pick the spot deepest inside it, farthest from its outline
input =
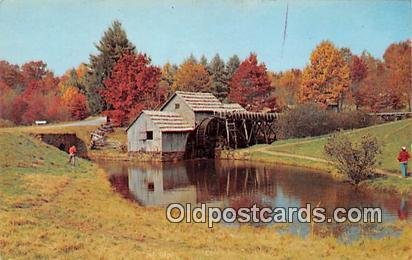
(261, 153)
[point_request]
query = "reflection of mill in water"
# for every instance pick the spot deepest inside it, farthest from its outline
(161, 185)
(193, 182)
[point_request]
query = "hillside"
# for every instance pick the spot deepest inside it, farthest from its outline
(392, 135)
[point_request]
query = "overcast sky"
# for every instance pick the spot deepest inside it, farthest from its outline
(62, 33)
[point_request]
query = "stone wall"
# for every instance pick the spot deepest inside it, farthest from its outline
(231, 155)
(64, 141)
(156, 156)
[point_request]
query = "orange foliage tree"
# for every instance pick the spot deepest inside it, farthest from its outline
(326, 78)
(132, 86)
(30, 93)
(398, 61)
(192, 76)
(76, 103)
(6, 100)
(374, 93)
(250, 85)
(286, 85)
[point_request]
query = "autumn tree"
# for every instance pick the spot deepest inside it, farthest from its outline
(167, 79)
(191, 76)
(41, 95)
(19, 107)
(397, 59)
(132, 87)
(7, 96)
(113, 45)
(326, 78)
(218, 75)
(75, 77)
(374, 92)
(34, 70)
(250, 85)
(30, 93)
(76, 103)
(286, 85)
(358, 72)
(11, 76)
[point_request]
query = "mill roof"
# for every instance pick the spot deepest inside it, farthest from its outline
(166, 121)
(233, 107)
(198, 101)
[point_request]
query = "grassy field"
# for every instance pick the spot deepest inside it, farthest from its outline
(308, 152)
(49, 209)
(392, 135)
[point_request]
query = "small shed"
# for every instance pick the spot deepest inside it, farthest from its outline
(158, 131)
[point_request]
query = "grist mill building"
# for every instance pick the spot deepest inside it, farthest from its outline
(183, 120)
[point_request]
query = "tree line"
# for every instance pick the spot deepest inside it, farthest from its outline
(119, 81)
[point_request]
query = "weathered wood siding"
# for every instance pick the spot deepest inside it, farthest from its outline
(200, 116)
(138, 130)
(184, 110)
(174, 142)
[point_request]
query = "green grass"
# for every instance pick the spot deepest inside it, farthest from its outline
(50, 209)
(391, 135)
(389, 184)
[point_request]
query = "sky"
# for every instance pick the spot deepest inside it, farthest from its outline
(63, 33)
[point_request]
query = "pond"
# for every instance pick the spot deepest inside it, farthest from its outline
(242, 184)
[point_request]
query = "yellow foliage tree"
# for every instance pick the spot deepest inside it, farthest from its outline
(76, 103)
(191, 76)
(326, 78)
(68, 95)
(286, 85)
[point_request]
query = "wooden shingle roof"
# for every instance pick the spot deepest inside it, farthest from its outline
(199, 101)
(168, 121)
(233, 107)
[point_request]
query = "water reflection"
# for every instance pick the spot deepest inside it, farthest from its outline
(242, 184)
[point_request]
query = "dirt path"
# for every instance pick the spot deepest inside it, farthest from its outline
(87, 122)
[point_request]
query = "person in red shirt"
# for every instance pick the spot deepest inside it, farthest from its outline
(72, 154)
(403, 158)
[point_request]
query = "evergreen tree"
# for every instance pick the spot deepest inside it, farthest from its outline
(191, 59)
(218, 74)
(74, 79)
(113, 45)
(232, 65)
(203, 60)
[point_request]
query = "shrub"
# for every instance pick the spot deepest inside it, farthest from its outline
(353, 120)
(305, 120)
(354, 159)
(311, 120)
